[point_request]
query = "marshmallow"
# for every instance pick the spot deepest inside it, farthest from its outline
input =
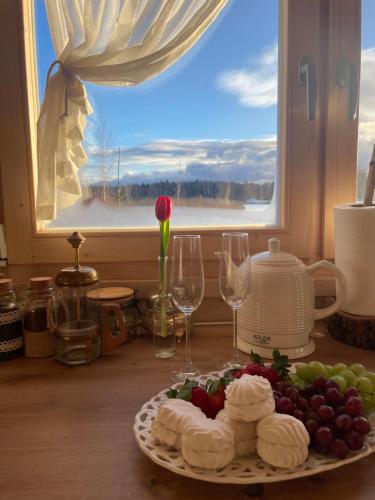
(249, 398)
(172, 417)
(208, 444)
(282, 441)
(245, 436)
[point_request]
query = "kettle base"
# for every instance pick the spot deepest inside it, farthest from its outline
(266, 352)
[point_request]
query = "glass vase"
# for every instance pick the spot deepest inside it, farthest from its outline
(163, 317)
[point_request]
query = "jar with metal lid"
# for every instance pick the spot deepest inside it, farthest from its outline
(115, 310)
(77, 342)
(11, 333)
(39, 322)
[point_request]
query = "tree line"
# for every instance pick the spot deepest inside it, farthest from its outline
(231, 191)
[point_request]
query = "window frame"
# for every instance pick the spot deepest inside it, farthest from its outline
(306, 194)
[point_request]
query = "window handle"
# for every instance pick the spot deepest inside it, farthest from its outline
(307, 78)
(347, 77)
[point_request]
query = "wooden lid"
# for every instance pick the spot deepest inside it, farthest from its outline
(110, 293)
(41, 283)
(6, 285)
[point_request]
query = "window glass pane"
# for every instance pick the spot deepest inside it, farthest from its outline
(366, 127)
(203, 132)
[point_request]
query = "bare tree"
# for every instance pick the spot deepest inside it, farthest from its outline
(105, 158)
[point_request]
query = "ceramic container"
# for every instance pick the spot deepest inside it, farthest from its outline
(280, 312)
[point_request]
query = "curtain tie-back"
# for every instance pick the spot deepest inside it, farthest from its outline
(67, 74)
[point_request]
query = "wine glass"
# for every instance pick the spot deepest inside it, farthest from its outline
(187, 289)
(234, 281)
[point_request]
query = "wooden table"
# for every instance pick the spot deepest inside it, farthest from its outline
(66, 433)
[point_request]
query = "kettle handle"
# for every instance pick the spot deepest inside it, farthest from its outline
(340, 288)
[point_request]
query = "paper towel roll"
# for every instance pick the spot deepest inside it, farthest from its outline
(355, 256)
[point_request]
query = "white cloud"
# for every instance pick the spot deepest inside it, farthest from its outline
(366, 129)
(178, 160)
(256, 86)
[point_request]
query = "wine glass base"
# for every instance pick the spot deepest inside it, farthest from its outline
(232, 365)
(188, 372)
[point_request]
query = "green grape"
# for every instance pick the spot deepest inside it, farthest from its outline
(338, 367)
(303, 372)
(329, 370)
(368, 402)
(348, 375)
(363, 385)
(340, 381)
(357, 368)
(296, 380)
(371, 377)
(317, 368)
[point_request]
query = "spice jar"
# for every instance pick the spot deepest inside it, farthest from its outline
(39, 319)
(11, 333)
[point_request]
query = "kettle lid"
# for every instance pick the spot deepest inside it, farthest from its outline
(274, 256)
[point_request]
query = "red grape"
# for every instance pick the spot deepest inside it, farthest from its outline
(361, 425)
(308, 391)
(284, 405)
(302, 404)
(323, 439)
(332, 383)
(320, 383)
(352, 391)
(277, 395)
(317, 401)
(343, 423)
(326, 413)
(282, 385)
(334, 397)
(312, 415)
(299, 414)
(354, 406)
(312, 426)
(340, 448)
(341, 410)
(291, 393)
(354, 440)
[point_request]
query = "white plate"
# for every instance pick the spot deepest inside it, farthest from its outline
(244, 470)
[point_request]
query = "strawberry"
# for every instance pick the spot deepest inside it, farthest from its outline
(201, 399)
(217, 401)
(270, 374)
(253, 369)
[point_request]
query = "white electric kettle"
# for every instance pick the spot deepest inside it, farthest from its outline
(280, 311)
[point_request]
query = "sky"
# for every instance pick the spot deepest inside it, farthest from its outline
(222, 92)
(213, 115)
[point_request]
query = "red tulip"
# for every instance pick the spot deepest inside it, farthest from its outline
(163, 208)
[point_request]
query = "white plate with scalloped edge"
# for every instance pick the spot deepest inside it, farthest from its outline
(243, 470)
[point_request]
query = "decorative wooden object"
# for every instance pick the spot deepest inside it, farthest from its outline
(358, 331)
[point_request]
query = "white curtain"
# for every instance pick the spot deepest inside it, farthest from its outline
(109, 42)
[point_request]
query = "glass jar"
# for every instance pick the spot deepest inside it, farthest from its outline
(115, 310)
(11, 333)
(77, 342)
(39, 322)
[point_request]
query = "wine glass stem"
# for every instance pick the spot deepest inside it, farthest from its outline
(235, 349)
(188, 342)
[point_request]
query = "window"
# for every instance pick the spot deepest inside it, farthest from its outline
(203, 132)
(310, 177)
(366, 128)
